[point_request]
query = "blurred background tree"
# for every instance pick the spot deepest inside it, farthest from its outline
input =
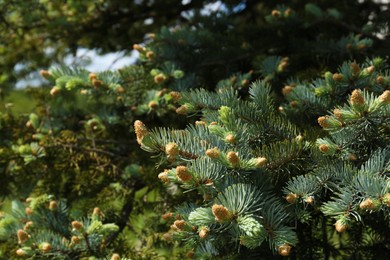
(38, 33)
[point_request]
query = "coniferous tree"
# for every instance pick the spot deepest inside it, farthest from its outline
(286, 152)
(242, 153)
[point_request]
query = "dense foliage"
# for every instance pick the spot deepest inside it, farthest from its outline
(269, 124)
(243, 153)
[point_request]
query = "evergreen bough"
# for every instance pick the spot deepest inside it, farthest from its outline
(242, 153)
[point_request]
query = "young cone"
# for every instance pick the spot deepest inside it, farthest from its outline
(140, 130)
(357, 97)
(115, 257)
(292, 198)
(179, 224)
(322, 121)
(172, 150)
(213, 153)
(261, 161)
(46, 247)
(220, 212)
(385, 97)
(183, 174)
(203, 233)
(341, 227)
(22, 236)
(233, 158)
(163, 176)
(284, 250)
(77, 225)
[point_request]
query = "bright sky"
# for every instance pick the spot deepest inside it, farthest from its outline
(97, 63)
(90, 60)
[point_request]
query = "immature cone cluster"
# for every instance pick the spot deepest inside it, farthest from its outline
(152, 104)
(46, 247)
(283, 63)
(190, 254)
(162, 92)
(97, 83)
(231, 139)
(163, 176)
(324, 148)
(355, 68)
(220, 212)
(22, 236)
(183, 174)
(260, 162)
(337, 113)
(167, 216)
(83, 91)
(352, 157)
(244, 82)
(20, 252)
(29, 124)
(159, 78)
(138, 47)
(275, 13)
(213, 153)
(370, 69)
(45, 74)
(200, 123)
(309, 200)
(386, 199)
(115, 257)
(287, 90)
(28, 211)
(53, 205)
(96, 212)
(172, 150)
(168, 236)
(179, 224)
(28, 225)
(288, 12)
(369, 204)
(176, 96)
(340, 226)
(55, 91)
(120, 90)
(182, 110)
(150, 55)
(337, 77)
(77, 225)
(294, 103)
(203, 233)
(284, 249)
(357, 97)
(380, 80)
(232, 157)
(385, 97)
(92, 76)
(366, 204)
(75, 240)
(322, 121)
(140, 130)
(292, 198)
